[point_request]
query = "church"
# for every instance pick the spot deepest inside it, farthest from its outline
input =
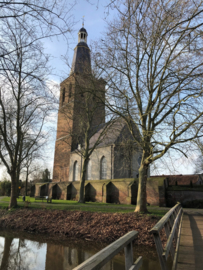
(113, 165)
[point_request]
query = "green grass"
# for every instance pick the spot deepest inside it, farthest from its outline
(69, 202)
(88, 206)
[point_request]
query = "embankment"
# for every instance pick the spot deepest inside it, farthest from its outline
(100, 227)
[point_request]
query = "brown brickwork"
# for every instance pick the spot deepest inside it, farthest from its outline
(156, 189)
(186, 197)
(121, 191)
(64, 127)
(72, 118)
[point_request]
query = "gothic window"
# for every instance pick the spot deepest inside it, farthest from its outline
(88, 170)
(103, 168)
(70, 90)
(75, 171)
(63, 95)
(139, 160)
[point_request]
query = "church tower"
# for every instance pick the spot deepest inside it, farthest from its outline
(79, 90)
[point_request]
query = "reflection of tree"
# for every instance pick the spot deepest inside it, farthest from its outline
(18, 258)
(6, 253)
(15, 255)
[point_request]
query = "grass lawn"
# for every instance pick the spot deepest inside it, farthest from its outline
(88, 206)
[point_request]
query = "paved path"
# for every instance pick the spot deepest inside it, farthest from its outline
(191, 242)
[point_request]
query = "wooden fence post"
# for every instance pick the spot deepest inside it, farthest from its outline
(128, 256)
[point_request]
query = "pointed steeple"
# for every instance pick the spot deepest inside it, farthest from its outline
(81, 59)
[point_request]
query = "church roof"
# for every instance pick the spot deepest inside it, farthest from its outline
(111, 136)
(81, 59)
(83, 30)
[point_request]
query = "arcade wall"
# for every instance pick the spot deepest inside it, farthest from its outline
(119, 191)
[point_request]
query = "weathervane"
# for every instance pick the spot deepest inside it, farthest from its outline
(83, 21)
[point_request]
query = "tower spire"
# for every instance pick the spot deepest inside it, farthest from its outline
(83, 21)
(81, 59)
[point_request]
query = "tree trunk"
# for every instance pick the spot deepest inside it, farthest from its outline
(26, 183)
(14, 192)
(6, 253)
(82, 182)
(141, 194)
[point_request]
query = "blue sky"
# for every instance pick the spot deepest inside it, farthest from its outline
(94, 24)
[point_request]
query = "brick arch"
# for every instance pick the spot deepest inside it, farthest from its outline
(54, 191)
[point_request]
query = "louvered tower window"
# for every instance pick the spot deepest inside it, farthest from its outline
(70, 90)
(63, 95)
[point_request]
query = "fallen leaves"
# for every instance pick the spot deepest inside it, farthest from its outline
(100, 227)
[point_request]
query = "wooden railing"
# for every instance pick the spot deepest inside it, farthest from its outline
(105, 255)
(171, 223)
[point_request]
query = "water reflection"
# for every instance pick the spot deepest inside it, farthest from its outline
(21, 254)
(60, 257)
(38, 254)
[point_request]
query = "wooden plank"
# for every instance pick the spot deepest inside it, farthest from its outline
(191, 241)
(160, 224)
(159, 250)
(137, 264)
(102, 257)
(170, 239)
(167, 230)
(128, 256)
(177, 245)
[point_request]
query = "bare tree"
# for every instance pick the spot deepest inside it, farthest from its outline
(29, 165)
(25, 100)
(49, 17)
(151, 59)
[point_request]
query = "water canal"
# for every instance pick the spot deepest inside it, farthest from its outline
(35, 252)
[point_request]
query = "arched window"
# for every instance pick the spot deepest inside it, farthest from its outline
(103, 168)
(63, 95)
(139, 160)
(88, 170)
(75, 171)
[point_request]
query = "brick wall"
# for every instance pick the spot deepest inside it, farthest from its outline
(122, 191)
(156, 191)
(186, 197)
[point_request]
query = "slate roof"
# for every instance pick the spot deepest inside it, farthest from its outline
(83, 30)
(113, 133)
(81, 59)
